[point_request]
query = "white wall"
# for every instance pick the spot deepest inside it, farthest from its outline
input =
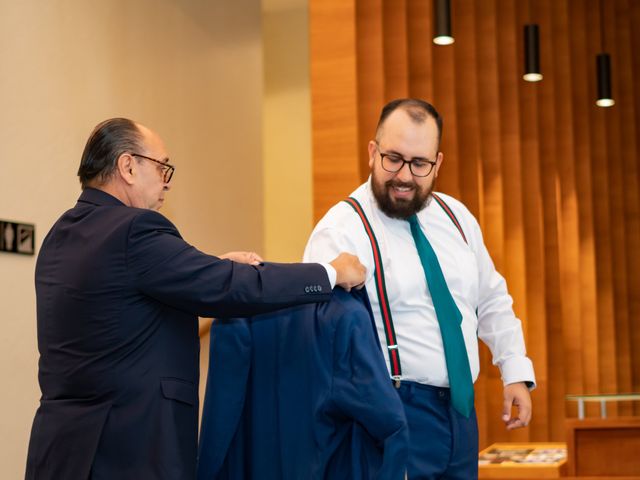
(190, 69)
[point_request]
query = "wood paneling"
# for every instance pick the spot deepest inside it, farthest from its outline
(553, 179)
(533, 224)
(371, 86)
(550, 203)
(334, 114)
(621, 29)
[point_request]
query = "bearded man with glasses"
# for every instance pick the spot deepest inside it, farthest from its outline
(433, 289)
(118, 295)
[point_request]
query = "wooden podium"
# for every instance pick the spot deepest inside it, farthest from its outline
(603, 447)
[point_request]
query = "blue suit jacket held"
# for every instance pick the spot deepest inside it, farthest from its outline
(302, 393)
(118, 295)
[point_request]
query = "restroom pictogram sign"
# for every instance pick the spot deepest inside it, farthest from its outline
(17, 237)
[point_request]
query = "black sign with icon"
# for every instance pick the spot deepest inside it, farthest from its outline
(17, 237)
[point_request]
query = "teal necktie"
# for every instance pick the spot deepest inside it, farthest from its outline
(449, 319)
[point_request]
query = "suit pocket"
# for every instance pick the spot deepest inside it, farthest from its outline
(177, 440)
(180, 390)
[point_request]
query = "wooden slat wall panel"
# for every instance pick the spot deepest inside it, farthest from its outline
(491, 212)
(632, 48)
(568, 238)
(550, 202)
(602, 221)
(618, 377)
(533, 224)
(619, 35)
(553, 179)
(420, 31)
(371, 78)
(469, 150)
(620, 245)
(444, 74)
(334, 114)
(491, 219)
(466, 61)
(394, 41)
(608, 365)
(588, 344)
(512, 209)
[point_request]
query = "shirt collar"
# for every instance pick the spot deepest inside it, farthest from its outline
(99, 197)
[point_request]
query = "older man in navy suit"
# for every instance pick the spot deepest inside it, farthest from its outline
(119, 293)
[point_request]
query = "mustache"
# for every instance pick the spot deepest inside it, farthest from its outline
(397, 183)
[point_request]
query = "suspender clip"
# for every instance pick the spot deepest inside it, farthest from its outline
(392, 347)
(396, 380)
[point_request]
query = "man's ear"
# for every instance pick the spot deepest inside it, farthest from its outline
(126, 166)
(439, 160)
(372, 147)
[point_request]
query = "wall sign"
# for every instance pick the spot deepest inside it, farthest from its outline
(17, 237)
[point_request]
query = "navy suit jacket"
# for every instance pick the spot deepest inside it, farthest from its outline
(302, 393)
(118, 296)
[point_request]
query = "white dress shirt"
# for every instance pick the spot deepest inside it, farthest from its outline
(474, 283)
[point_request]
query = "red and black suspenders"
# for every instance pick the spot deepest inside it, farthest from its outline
(381, 289)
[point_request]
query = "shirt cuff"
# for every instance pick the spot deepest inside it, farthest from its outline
(331, 273)
(518, 369)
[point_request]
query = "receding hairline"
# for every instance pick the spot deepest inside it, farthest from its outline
(417, 110)
(143, 130)
(415, 114)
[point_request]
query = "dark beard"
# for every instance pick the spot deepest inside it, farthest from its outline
(400, 209)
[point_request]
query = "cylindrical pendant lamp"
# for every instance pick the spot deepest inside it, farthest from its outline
(531, 54)
(603, 67)
(442, 22)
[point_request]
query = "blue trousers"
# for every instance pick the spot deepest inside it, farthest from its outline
(442, 443)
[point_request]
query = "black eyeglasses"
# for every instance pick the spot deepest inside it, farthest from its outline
(393, 163)
(167, 169)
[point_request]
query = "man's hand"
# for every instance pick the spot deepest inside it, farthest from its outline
(350, 272)
(517, 395)
(250, 258)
